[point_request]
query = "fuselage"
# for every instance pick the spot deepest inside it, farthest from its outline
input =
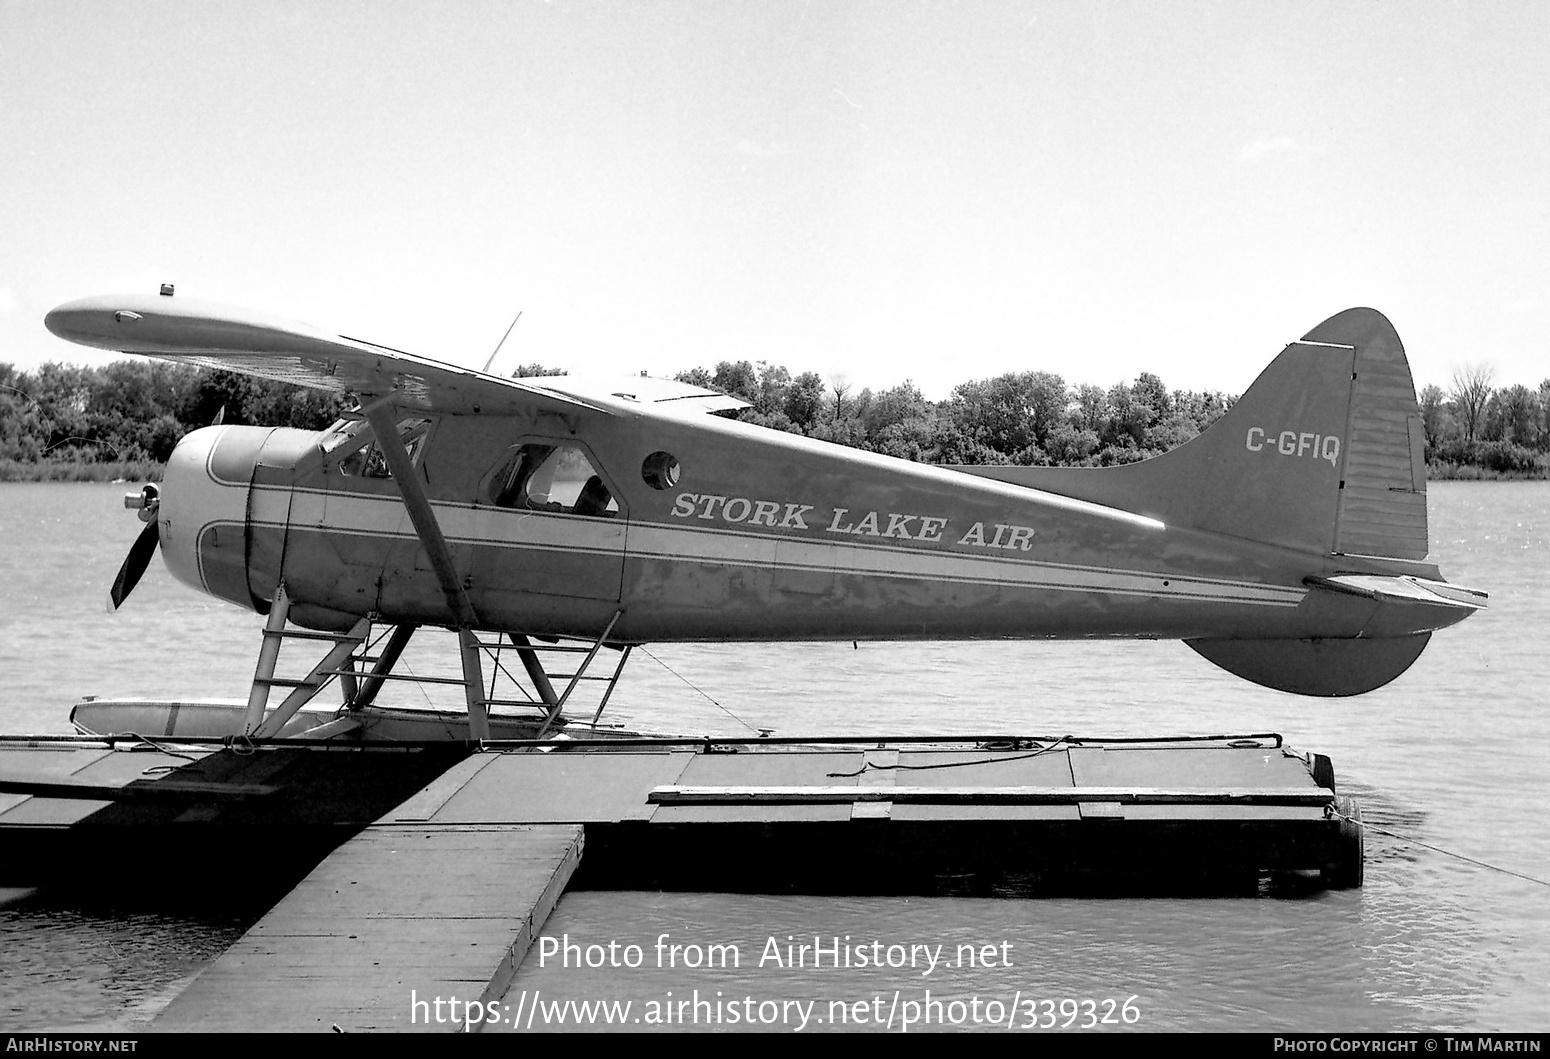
(691, 527)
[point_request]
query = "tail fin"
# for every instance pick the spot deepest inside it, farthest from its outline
(1323, 453)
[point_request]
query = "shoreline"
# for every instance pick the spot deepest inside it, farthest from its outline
(152, 471)
(1473, 472)
(77, 471)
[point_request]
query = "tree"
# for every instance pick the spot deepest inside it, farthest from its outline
(1151, 397)
(1047, 403)
(899, 422)
(1544, 416)
(840, 382)
(1012, 414)
(1090, 408)
(738, 379)
(24, 428)
(804, 399)
(1068, 446)
(1126, 423)
(1519, 409)
(1434, 415)
(774, 381)
(1471, 390)
(893, 408)
(1201, 408)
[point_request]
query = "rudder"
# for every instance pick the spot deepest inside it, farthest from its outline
(1383, 482)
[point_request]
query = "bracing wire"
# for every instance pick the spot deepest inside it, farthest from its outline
(696, 688)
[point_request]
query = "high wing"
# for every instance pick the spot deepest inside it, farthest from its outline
(662, 394)
(269, 347)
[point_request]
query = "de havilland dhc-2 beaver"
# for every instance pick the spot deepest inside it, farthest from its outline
(1287, 543)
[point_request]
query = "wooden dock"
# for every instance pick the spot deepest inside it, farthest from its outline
(259, 818)
(404, 911)
(442, 889)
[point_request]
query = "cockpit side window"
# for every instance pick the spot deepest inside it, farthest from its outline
(358, 454)
(551, 476)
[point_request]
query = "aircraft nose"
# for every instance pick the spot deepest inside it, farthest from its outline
(204, 508)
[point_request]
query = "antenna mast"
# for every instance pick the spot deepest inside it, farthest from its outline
(502, 342)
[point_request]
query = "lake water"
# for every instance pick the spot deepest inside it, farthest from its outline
(1450, 755)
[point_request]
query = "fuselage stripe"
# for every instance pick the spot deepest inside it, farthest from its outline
(467, 525)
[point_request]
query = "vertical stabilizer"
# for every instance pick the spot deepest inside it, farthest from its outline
(1323, 453)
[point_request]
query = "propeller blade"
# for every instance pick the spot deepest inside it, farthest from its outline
(135, 562)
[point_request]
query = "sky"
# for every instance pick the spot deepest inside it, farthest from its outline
(877, 192)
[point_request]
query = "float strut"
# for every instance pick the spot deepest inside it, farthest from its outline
(268, 655)
(372, 683)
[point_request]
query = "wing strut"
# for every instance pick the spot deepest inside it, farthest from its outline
(384, 424)
(535, 670)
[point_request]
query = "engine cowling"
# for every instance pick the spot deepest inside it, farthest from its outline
(207, 507)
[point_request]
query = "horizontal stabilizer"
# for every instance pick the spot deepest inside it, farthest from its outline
(1415, 590)
(1327, 668)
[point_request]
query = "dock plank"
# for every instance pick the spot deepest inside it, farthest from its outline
(880, 769)
(50, 812)
(47, 762)
(565, 788)
(1191, 766)
(429, 801)
(398, 913)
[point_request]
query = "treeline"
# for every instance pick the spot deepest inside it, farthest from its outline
(137, 411)
(1029, 417)
(134, 412)
(1474, 427)
(1034, 418)
(131, 413)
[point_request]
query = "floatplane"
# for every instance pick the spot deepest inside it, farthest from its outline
(1286, 544)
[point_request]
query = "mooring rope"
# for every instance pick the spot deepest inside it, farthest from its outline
(870, 767)
(158, 746)
(1439, 849)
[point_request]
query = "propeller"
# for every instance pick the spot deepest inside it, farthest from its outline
(148, 502)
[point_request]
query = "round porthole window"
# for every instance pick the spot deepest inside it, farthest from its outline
(660, 470)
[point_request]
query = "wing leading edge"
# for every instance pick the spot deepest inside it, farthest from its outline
(269, 347)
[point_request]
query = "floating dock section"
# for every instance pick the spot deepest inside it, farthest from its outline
(433, 868)
(398, 911)
(907, 816)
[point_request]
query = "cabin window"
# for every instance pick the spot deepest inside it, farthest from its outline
(660, 470)
(367, 460)
(551, 476)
